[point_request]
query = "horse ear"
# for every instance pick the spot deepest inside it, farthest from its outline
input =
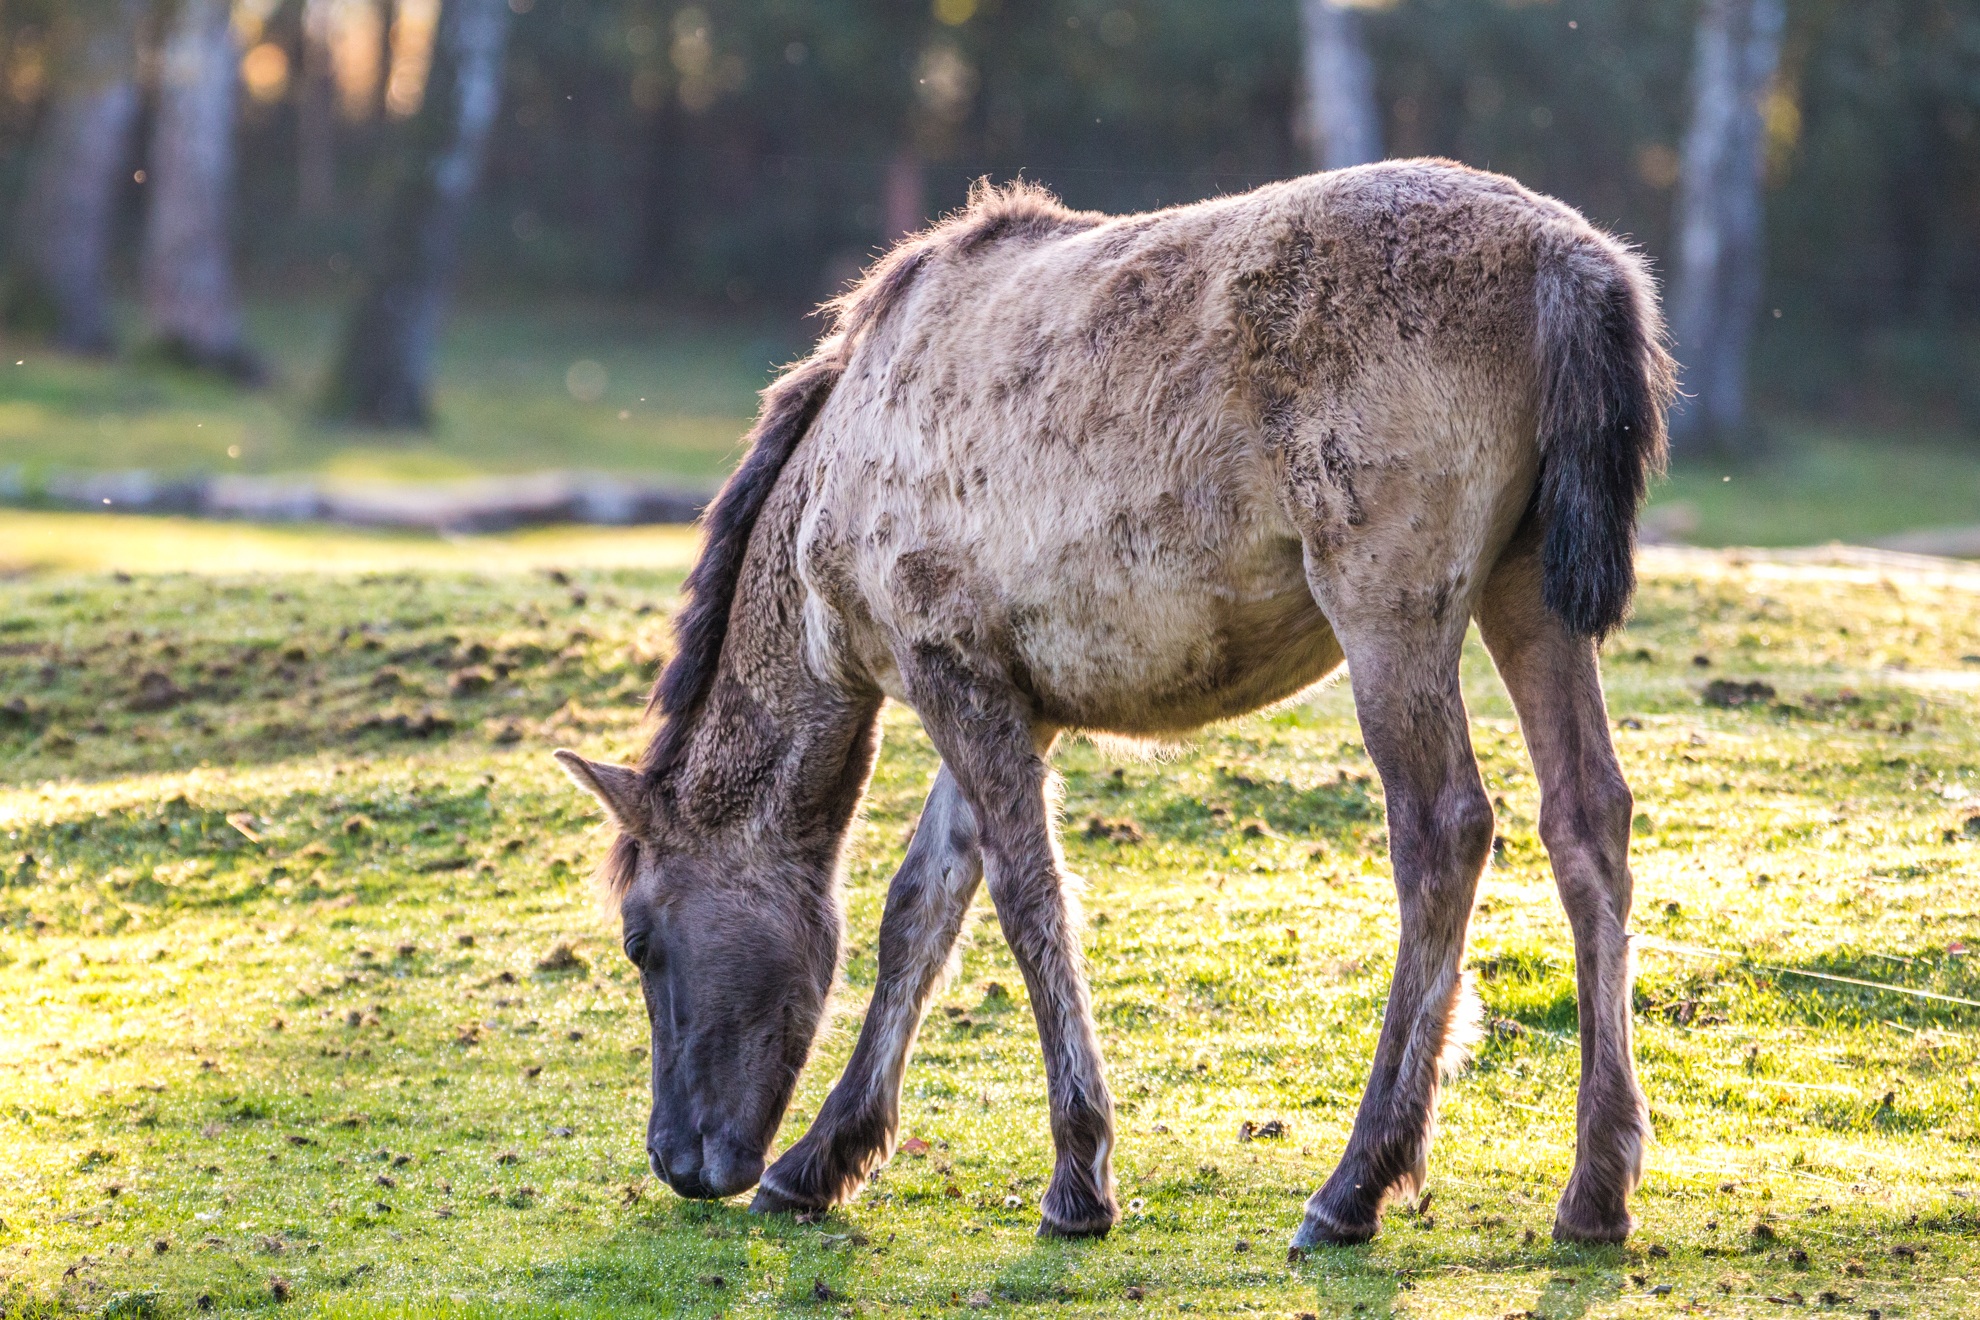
(616, 788)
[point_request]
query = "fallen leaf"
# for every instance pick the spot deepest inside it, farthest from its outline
(562, 958)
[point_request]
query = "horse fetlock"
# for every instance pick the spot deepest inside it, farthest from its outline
(1614, 1133)
(1608, 1167)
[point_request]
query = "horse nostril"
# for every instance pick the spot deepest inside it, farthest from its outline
(683, 1173)
(693, 1186)
(728, 1171)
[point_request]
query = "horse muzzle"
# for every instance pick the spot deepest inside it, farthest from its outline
(706, 1168)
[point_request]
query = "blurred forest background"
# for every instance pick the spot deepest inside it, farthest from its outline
(675, 184)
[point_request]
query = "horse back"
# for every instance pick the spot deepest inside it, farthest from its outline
(1106, 452)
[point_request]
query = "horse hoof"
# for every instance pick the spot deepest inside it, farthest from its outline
(1321, 1229)
(1592, 1218)
(769, 1201)
(1592, 1233)
(1076, 1216)
(1097, 1228)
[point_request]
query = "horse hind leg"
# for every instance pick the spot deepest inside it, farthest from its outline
(1405, 677)
(926, 903)
(1585, 811)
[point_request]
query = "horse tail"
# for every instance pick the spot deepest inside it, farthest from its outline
(790, 405)
(1605, 380)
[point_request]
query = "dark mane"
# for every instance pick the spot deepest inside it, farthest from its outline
(789, 407)
(616, 873)
(1018, 212)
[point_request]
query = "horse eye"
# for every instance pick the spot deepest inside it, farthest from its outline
(636, 947)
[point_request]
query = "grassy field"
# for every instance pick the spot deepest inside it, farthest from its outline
(305, 1002)
(612, 388)
(1818, 484)
(646, 391)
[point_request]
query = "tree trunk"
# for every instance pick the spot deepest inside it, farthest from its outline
(1721, 253)
(189, 292)
(316, 115)
(384, 374)
(388, 19)
(1343, 124)
(70, 206)
(903, 196)
(659, 208)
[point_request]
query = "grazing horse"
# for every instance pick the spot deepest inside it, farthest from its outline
(1055, 471)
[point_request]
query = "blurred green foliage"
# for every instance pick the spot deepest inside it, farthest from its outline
(735, 153)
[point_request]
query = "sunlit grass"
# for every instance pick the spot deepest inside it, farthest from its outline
(676, 394)
(118, 543)
(673, 400)
(272, 936)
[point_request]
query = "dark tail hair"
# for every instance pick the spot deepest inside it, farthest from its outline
(1605, 380)
(790, 405)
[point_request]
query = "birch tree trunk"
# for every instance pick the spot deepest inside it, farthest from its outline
(316, 115)
(903, 195)
(69, 208)
(384, 373)
(1721, 253)
(190, 300)
(1343, 124)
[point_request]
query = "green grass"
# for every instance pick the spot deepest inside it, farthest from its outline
(678, 394)
(273, 1019)
(33, 541)
(676, 398)
(1817, 484)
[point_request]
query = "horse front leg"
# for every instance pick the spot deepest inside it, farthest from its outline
(1440, 832)
(926, 902)
(978, 723)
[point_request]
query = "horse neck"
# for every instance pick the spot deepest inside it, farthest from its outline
(778, 754)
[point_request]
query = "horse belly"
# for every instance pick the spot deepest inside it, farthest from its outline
(1149, 655)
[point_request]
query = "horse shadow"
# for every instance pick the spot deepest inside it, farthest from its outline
(1344, 1281)
(1347, 1282)
(1570, 1296)
(700, 1258)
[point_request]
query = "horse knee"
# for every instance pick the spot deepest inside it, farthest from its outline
(1441, 835)
(1466, 819)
